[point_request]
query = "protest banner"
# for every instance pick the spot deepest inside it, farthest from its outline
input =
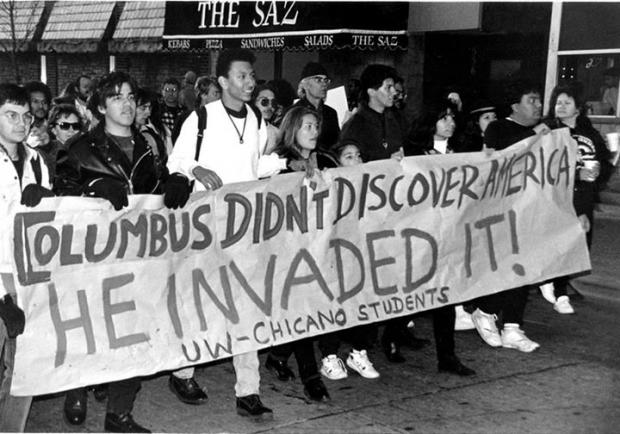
(111, 295)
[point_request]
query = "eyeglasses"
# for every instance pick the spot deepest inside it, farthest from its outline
(321, 79)
(171, 89)
(266, 102)
(66, 125)
(14, 117)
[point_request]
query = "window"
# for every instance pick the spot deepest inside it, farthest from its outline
(599, 74)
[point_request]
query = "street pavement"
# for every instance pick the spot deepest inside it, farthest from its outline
(570, 385)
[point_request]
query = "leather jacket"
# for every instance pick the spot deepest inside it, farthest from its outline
(95, 155)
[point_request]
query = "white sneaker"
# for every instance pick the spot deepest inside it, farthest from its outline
(514, 337)
(333, 368)
(463, 319)
(487, 329)
(358, 361)
(562, 305)
(548, 292)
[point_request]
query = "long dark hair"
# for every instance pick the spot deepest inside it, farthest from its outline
(291, 124)
(424, 127)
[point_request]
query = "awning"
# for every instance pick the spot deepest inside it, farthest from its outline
(76, 27)
(26, 18)
(285, 25)
(140, 28)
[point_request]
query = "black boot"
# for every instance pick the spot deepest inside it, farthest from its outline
(122, 423)
(315, 390)
(279, 368)
(453, 365)
(100, 392)
(187, 390)
(251, 406)
(75, 406)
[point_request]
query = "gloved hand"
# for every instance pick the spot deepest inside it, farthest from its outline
(33, 193)
(12, 316)
(176, 191)
(109, 189)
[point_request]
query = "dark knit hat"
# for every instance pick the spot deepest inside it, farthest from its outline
(374, 75)
(311, 69)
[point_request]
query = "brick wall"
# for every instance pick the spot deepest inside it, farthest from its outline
(71, 66)
(29, 67)
(150, 70)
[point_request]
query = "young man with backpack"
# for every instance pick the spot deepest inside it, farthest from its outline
(220, 144)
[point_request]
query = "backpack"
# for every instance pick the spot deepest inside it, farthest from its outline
(202, 124)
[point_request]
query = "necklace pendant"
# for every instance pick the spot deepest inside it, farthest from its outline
(241, 141)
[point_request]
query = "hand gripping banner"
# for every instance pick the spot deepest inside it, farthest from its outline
(111, 295)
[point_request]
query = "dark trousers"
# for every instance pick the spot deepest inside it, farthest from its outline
(121, 395)
(584, 206)
(443, 330)
(304, 354)
(511, 304)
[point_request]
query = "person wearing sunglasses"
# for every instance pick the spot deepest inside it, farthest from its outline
(264, 99)
(64, 122)
(312, 91)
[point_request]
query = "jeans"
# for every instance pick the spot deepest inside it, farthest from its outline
(13, 409)
(248, 378)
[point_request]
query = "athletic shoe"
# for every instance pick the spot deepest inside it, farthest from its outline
(358, 361)
(514, 337)
(463, 319)
(548, 292)
(487, 329)
(562, 305)
(332, 368)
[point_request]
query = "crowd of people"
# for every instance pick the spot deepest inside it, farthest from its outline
(110, 138)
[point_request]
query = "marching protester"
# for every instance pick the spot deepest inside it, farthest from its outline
(111, 162)
(312, 91)
(481, 115)
(566, 109)
(150, 127)
(264, 99)
(170, 109)
(64, 123)
(40, 98)
(25, 179)
(523, 122)
(232, 147)
(301, 127)
(431, 135)
(376, 132)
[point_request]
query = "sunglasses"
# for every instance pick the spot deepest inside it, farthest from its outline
(265, 102)
(66, 125)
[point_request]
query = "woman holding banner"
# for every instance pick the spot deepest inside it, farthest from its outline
(566, 109)
(432, 134)
(300, 130)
